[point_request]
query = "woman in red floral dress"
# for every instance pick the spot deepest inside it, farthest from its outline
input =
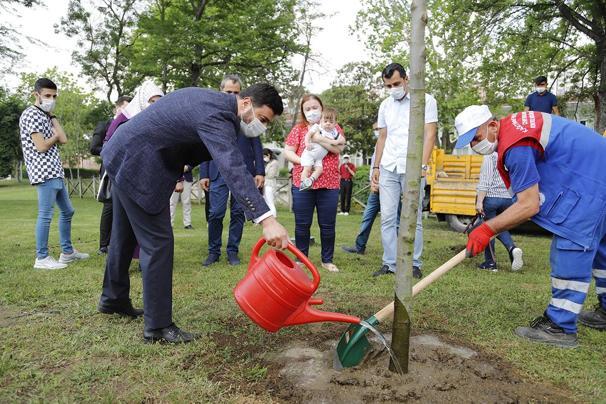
(324, 194)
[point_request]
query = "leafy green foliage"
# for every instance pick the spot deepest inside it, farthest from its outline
(104, 32)
(194, 43)
(490, 51)
(357, 110)
(11, 108)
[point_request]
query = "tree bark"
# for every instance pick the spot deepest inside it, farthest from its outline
(401, 328)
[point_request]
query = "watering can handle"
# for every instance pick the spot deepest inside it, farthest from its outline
(297, 253)
(254, 255)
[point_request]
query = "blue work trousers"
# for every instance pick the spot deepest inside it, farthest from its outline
(572, 267)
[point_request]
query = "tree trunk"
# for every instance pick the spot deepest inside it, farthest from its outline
(403, 292)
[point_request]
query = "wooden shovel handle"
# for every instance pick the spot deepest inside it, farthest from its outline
(387, 311)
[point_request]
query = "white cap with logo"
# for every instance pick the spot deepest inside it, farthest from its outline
(468, 121)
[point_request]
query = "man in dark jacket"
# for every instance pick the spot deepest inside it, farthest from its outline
(252, 151)
(145, 158)
(96, 144)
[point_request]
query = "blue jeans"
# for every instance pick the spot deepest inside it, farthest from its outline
(303, 205)
(49, 192)
(391, 187)
(368, 218)
(219, 192)
(493, 207)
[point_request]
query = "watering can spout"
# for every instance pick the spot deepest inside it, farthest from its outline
(307, 314)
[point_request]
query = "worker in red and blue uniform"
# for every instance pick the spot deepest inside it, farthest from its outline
(555, 168)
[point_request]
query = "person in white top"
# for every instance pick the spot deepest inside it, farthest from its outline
(272, 169)
(389, 169)
(314, 153)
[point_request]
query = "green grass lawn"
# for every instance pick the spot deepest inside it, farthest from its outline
(56, 347)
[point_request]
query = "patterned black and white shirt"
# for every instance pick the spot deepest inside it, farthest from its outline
(40, 166)
(490, 179)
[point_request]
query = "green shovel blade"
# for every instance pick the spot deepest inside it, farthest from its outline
(353, 345)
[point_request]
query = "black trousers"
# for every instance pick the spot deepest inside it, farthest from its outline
(154, 233)
(346, 187)
(105, 225)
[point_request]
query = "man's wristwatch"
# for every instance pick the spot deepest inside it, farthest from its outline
(375, 168)
(424, 167)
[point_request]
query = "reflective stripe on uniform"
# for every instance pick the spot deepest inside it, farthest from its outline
(599, 273)
(570, 285)
(545, 130)
(566, 305)
(600, 291)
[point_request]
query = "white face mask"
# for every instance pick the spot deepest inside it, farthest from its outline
(485, 146)
(376, 133)
(253, 129)
(313, 115)
(266, 159)
(47, 105)
(541, 90)
(397, 93)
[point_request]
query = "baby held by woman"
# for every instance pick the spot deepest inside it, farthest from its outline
(311, 159)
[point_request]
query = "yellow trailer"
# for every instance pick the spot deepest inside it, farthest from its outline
(451, 185)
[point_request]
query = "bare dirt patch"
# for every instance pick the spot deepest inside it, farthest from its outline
(438, 372)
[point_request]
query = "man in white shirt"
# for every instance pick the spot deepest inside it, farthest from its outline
(389, 169)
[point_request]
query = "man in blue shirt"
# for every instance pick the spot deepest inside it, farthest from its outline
(542, 100)
(555, 168)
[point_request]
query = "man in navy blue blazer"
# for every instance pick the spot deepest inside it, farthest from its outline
(252, 151)
(145, 158)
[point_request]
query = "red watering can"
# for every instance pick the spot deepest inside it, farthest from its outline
(276, 292)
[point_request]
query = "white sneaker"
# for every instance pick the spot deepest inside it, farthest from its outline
(48, 263)
(74, 256)
(346, 214)
(516, 259)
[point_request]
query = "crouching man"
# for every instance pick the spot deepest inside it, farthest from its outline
(555, 167)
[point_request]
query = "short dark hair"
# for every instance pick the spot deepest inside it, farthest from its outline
(391, 68)
(540, 79)
(44, 83)
(270, 153)
(264, 94)
(123, 99)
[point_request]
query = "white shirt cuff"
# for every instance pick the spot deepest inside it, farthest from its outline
(263, 217)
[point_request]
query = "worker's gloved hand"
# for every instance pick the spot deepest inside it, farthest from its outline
(478, 239)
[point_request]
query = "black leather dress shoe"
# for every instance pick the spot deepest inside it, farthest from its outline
(125, 309)
(416, 272)
(233, 259)
(211, 259)
(171, 335)
(383, 271)
(352, 250)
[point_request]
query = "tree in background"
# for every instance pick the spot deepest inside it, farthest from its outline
(356, 97)
(490, 51)
(103, 29)
(10, 51)
(11, 108)
(196, 42)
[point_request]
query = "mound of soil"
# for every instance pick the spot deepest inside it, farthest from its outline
(438, 372)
